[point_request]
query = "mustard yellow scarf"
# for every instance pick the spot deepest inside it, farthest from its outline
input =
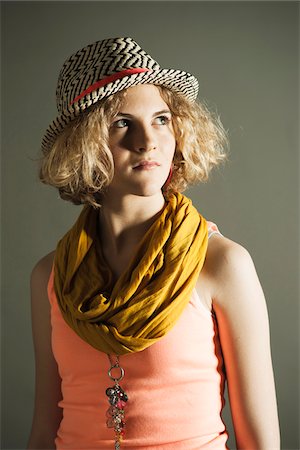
(149, 296)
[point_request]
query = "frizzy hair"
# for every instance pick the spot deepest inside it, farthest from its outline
(81, 166)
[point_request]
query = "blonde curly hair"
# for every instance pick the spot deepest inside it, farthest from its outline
(81, 165)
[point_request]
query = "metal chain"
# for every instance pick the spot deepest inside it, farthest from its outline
(115, 365)
(117, 399)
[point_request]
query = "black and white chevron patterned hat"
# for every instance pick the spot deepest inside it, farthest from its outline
(103, 68)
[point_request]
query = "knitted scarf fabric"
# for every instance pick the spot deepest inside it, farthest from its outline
(149, 297)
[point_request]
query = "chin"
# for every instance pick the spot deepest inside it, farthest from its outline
(148, 191)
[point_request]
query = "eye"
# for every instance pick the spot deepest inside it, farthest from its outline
(162, 120)
(121, 123)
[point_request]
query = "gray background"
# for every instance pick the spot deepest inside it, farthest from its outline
(246, 58)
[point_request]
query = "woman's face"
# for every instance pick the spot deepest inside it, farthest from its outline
(142, 142)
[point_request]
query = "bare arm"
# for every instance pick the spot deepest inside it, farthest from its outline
(47, 414)
(242, 316)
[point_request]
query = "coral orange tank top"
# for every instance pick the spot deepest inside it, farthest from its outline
(175, 387)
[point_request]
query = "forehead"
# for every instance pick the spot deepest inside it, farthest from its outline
(143, 96)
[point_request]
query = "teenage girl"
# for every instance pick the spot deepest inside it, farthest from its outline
(144, 310)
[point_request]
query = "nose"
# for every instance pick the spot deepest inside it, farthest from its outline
(143, 138)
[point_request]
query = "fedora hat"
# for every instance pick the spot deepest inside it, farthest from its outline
(103, 68)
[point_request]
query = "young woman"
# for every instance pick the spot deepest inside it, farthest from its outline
(144, 310)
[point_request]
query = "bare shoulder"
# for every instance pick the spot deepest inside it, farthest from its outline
(41, 272)
(229, 269)
(222, 253)
(38, 285)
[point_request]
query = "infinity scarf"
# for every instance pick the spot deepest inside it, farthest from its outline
(149, 297)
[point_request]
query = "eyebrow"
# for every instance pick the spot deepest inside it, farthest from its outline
(163, 111)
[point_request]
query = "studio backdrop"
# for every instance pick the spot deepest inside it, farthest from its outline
(245, 56)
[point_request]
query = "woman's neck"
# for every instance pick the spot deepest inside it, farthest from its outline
(125, 220)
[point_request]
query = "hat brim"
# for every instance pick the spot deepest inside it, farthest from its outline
(176, 80)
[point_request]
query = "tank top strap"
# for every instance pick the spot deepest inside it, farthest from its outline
(213, 229)
(50, 289)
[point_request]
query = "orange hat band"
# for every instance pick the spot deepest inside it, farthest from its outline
(109, 79)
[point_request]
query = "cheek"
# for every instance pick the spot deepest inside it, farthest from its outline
(170, 146)
(166, 134)
(117, 159)
(171, 138)
(119, 162)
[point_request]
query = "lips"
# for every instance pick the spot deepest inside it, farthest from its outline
(146, 164)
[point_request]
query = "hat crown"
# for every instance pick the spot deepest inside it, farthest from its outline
(103, 68)
(95, 62)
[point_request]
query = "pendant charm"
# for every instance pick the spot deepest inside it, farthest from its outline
(117, 398)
